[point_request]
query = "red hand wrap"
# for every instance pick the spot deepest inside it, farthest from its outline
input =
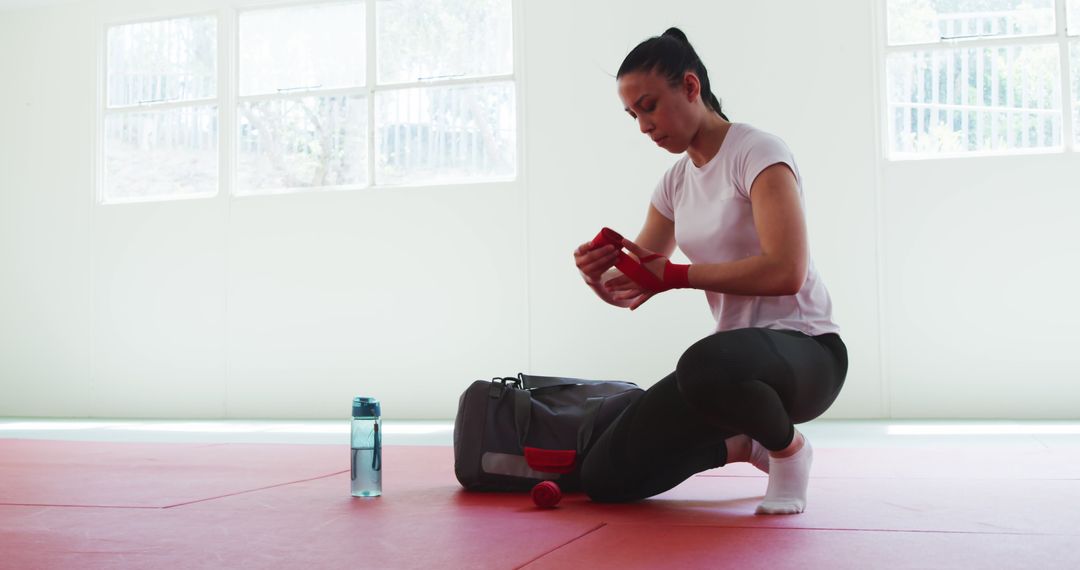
(676, 276)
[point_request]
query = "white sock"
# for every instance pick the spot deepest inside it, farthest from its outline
(759, 456)
(788, 478)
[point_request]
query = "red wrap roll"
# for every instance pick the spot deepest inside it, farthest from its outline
(546, 494)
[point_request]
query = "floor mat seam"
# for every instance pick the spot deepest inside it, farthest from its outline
(186, 503)
(563, 545)
(832, 529)
(53, 505)
(956, 478)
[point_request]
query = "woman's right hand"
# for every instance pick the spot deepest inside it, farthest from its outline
(592, 262)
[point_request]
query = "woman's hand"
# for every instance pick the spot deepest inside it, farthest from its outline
(593, 262)
(623, 288)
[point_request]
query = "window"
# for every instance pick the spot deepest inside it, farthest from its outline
(968, 77)
(448, 110)
(341, 94)
(302, 111)
(161, 110)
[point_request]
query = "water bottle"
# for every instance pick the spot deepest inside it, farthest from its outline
(366, 448)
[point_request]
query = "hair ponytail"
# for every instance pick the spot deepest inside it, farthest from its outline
(677, 34)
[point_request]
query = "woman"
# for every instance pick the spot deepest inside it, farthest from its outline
(734, 205)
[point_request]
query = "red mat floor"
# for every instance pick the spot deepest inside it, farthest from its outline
(166, 505)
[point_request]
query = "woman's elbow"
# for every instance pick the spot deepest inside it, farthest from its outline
(793, 281)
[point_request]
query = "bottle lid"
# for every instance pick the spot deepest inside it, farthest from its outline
(365, 407)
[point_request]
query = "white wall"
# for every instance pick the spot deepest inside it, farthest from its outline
(286, 306)
(981, 282)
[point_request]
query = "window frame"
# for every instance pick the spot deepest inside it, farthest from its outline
(1060, 38)
(227, 13)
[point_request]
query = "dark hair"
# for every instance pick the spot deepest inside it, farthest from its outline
(671, 55)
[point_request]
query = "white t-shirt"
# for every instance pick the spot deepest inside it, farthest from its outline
(714, 224)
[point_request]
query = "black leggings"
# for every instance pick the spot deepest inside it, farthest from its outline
(759, 382)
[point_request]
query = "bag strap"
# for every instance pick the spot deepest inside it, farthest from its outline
(530, 382)
(588, 422)
(522, 414)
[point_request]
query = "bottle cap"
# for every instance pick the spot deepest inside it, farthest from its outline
(365, 407)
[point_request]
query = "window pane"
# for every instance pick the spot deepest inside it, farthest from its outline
(301, 143)
(444, 134)
(168, 60)
(161, 154)
(426, 39)
(980, 99)
(1073, 21)
(302, 47)
(927, 21)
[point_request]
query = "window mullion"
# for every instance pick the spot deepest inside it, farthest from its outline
(165, 106)
(972, 43)
(478, 80)
(372, 58)
(1067, 126)
(227, 60)
(338, 92)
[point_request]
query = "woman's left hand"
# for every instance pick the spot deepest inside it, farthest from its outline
(623, 288)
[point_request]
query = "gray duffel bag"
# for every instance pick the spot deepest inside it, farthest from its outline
(512, 433)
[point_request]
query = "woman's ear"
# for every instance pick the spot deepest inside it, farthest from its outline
(692, 85)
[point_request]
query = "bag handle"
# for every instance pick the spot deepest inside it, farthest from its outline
(498, 386)
(522, 414)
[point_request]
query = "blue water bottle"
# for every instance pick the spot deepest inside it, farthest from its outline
(366, 448)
